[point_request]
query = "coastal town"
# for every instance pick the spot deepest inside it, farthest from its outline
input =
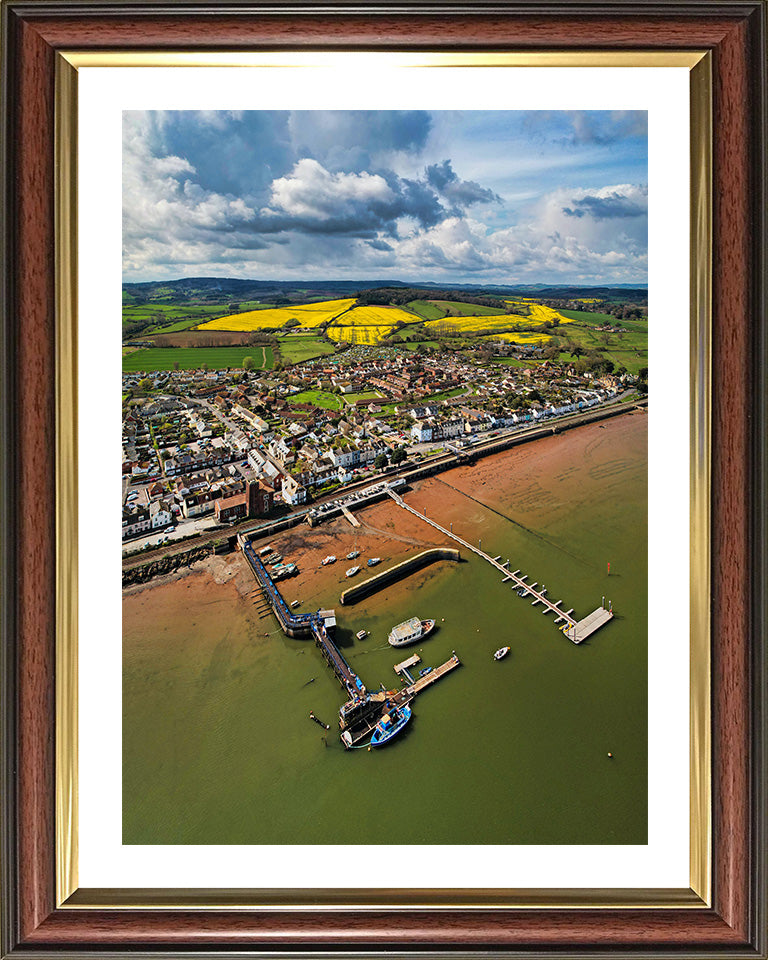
(204, 449)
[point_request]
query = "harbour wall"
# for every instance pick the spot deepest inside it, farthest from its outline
(400, 570)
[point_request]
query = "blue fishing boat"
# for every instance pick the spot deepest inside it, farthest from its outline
(390, 725)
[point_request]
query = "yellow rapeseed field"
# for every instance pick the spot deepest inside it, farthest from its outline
(368, 325)
(523, 337)
(358, 334)
(375, 316)
(542, 314)
(308, 315)
(459, 325)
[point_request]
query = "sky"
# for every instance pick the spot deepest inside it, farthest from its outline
(444, 196)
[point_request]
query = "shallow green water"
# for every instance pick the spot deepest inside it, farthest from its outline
(218, 747)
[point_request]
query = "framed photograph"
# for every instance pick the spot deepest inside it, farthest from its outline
(441, 329)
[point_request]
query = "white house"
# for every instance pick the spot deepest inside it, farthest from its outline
(293, 491)
(421, 432)
(160, 512)
(135, 521)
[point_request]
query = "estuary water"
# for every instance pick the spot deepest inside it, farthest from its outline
(218, 746)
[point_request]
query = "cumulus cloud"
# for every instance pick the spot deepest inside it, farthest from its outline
(307, 193)
(549, 244)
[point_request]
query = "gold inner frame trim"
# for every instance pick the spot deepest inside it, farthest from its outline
(245, 58)
(68, 893)
(65, 201)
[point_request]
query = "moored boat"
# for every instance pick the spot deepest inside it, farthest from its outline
(352, 571)
(361, 634)
(372, 561)
(409, 631)
(353, 554)
(329, 559)
(295, 603)
(390, 725)
(501, 653)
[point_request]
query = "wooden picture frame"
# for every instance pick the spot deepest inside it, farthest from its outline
(34, 923)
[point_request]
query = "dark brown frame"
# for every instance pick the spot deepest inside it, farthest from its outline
(735, 32)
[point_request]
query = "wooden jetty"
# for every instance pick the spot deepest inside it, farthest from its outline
(575, 631)
(403, 669)
(432, 677)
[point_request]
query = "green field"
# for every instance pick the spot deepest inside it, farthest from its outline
(294, 348)
(514, 362)
(217, 358)
(457, 308)
(318, 398)
(586, 317)
(426, 310)
(629, 348)
(173, 317)
(445, 395)
(365, 395)
(422, 343)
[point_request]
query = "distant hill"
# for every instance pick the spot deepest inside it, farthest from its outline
(218, 289)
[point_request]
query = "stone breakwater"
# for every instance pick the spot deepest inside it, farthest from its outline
(383, 579)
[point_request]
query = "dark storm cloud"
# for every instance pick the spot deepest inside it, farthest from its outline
(233, 152)
(462, 193)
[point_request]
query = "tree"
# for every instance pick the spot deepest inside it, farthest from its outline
(248, 363)
(234, 308)
(145, 383)
(381, 461)
(176, 365)
(398, 455)
(643, 373)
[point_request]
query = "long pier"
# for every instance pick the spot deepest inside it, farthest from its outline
(307, 624)
(576, 631)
